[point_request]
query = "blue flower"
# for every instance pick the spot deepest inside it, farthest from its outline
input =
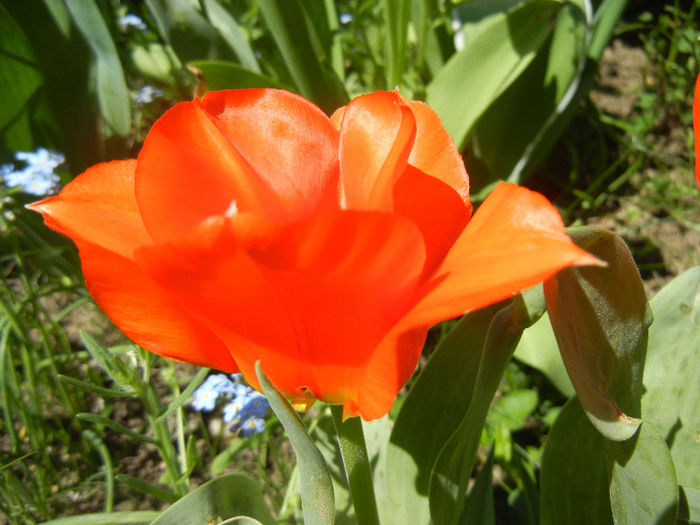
(131, 20)
(37, 177)
(253, 425)
(147, 94)
(246, 408)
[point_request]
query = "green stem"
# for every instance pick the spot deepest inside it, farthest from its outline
(357, 469)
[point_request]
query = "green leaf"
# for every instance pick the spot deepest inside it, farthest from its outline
(315, 480)
(144, 487)
(227, 75)
(540, 96)
(296, 40)
(396, 17)
(538, 348)
(112, 93)
(643, 486)
(184, 27)
(501, 47)
(22, 80)
(512, 409)
(604, 23)
(574, 479)
(232, 33)
(154, 61)
(101, 420)
(479, 506)
(671, 375)
(689, 505)
(217, 500)
(600, 317)
(140, 517)
(437, 431)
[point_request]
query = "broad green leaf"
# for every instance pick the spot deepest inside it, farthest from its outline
(327, 442)
(232, 33)
(452, 469)
(437, 431)
(643, 486)
(227, 75)
(217, 500)
(324, 18)
(501, 47)
(539, 96)
(479, 506)
(672, 373)
(240, 520)
(604, 23)
(396, 17)
(21, 82)
(154, 61)
(297, 41)
(538, 348)
(600, 318)
(139, 517)
(112, 93)
(512, 409)
(689, 505)
(315, 480)
(377, 434)
(574, 479)
(184, 27)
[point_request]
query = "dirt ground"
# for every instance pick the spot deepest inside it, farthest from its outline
(664, 237)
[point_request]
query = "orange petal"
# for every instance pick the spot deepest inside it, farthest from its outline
(434, 152)
(146, 314)
(348, 276)
(288, 140)
(436, 208)
(696, 128)
(262, 151)
(515, 240)
(392, 364)
(99, 207)
(376, 137)
(312, 303)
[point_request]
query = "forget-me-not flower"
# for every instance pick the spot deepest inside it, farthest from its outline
(147, 94)
(245, 408)
(131, 20)
(37, 177)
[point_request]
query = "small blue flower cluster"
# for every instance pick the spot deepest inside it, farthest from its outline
(37, 177)
(245, 409)
(130, 20)
(147, 94)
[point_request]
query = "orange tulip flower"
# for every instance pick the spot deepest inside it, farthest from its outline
(253, 227)
(696, 127)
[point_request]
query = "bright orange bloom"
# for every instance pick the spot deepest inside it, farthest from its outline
(252, 227)
(696, 127)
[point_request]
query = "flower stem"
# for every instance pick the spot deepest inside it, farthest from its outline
(357, 469)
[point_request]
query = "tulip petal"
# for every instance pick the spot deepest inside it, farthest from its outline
(437, 210)
(287, 140)
(312, 302)
(263, 151)
(696, 127)
(434, 152)
(98, 207)
(146, 314)
(515, 240)
(392, 364)
(376, 137)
